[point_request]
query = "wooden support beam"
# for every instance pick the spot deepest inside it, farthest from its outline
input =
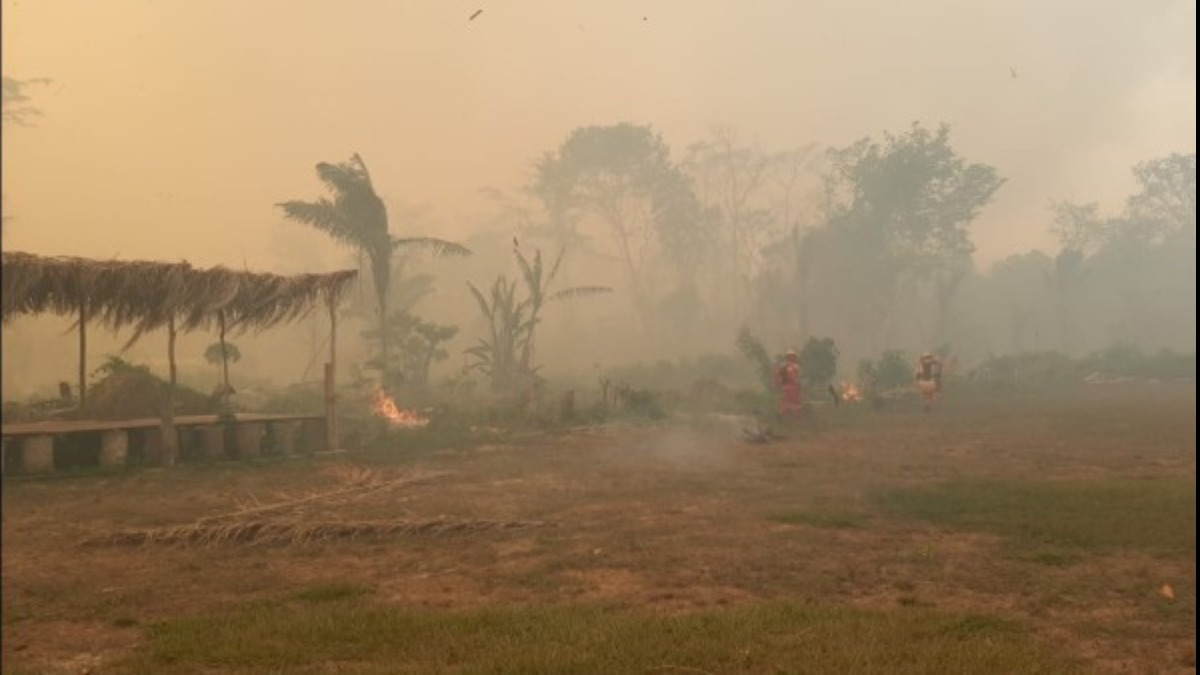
(332, 436)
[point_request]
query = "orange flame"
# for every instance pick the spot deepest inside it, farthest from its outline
(850, 392)
(386, 407)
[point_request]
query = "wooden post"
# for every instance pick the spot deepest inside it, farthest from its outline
(82, 354)
(170, 439)
(172, 370)
(331, 423)
(224, 354)
(330, 412)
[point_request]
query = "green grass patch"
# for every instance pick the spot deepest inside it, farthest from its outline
(1148, 515)
(1050, 556)
(362, 637)
(826, 518)
(333, 592)
(394, 445)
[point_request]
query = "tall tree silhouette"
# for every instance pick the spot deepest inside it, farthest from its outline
(354, 215)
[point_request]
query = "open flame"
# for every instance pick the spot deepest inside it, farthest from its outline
(850, 392)
(386, 407)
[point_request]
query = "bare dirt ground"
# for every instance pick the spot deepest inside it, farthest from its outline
(671, 517)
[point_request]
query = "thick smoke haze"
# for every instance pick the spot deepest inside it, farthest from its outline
(170, 129)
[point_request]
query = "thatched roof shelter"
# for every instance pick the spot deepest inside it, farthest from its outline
(147, 295)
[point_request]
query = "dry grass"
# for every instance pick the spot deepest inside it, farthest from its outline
(286, 523)
(356, 482)
(651, 522)
(299, 532)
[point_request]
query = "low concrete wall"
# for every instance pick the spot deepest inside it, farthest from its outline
(30, 451)
(248, 439)
(285, 437)
(152, 446)
(312, 436)
(114, 448)
(37, 454)
(212, 441)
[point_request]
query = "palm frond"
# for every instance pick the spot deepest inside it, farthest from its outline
(325, 216)
(578, 292)
(532, 274)
(484, 307)
(555, 266)
(438, 247)
(145, 295)
(344, 178)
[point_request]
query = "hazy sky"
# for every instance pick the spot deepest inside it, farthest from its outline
(172, 127)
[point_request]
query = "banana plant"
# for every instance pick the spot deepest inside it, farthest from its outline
(505, 355)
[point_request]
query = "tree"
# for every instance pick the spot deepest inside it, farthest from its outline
(899, 212)
(818, 362)
(1019, 302)
(14, 99)
(221, 354)
(622, 176)
(356, 216)
(1133, 271)
(506, 353)
(421, 347)
(755, 352)
(730, 179)
(14, 109)
(1078, 227)
(1081, 232)
(1166, 203)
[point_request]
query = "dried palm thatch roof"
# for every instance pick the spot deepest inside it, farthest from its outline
(147, 295)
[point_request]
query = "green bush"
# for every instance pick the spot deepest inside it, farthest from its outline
(1028, 369)
(640, 403)
(818, 362)
(1042, 369)
(1128, 360)
(298, 399)
(891, 371)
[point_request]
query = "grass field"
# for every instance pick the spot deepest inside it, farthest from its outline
(1014, 534)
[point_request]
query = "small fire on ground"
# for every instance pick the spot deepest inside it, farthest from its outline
(385, 406)
(850, 392)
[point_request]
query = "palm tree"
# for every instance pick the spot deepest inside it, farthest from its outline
(506, 354)
(356, 216)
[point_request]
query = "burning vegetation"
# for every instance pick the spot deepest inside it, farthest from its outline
(385, 406)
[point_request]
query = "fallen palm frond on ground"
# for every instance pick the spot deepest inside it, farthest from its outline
(286, 523)
(299, 532)
(362, 482)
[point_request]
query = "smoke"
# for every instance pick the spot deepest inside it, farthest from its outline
(156, 144)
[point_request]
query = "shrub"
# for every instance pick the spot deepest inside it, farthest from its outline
(1027, 369)
(818, 362)
(890, 371)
